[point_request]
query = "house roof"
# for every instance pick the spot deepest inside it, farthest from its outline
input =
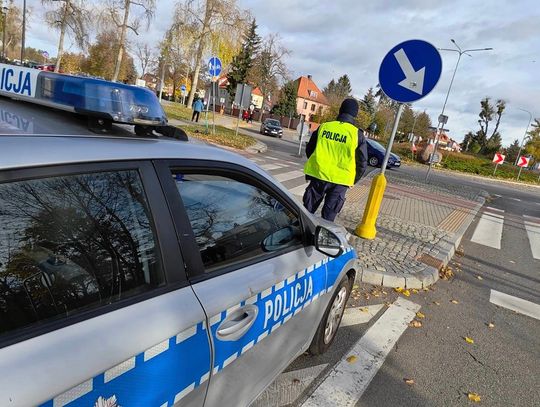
(307, 89)
(257, 92)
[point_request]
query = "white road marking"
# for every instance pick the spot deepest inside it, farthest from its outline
(288, 387)
(286, 176)
(515, 304)
(270, 167)
(357, 315)
(489, 230)
(533, 233)
(495, 209)
(515, 199)
(347, 382)
(299, 190)
(273, 158)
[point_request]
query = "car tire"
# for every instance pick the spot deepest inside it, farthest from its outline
(326, 332)
(373, 161)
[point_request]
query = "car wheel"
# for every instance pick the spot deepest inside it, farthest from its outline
(326, 332)
(374, 161)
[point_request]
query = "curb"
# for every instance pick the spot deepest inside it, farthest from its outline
(258, 147)
(429, 275)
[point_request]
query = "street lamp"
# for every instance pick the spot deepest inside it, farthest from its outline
(525, 135)
(442, 118)
(4, 19)
(23, 31)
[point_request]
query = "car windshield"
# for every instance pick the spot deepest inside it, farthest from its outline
(273, 122)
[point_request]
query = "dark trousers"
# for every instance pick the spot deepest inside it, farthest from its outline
(195, 114)
(333, 195)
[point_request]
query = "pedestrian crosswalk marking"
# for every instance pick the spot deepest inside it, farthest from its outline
(515, 304)
(299, 190)
(269, 167)
(532, 226)
(489, 230)
(286, 176)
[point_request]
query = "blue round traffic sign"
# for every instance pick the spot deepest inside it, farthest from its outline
(410, 70)
(183, 88)
(214, 66)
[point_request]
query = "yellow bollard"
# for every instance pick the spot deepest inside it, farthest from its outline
(367, 229)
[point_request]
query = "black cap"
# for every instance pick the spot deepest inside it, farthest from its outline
(349, 106)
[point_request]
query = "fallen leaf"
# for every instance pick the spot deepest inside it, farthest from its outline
(364, 309)
(388, 304)
(420, 315)
(415, 291)
(436, 303)
(479, 277)
(296, 381)
(491, 325)
(355, 287)
(474, 397)
(468, 340)
(454, 301)
(352, 359)
(410, 382)
(398, 289)
(512, 261)
(385, 293)
(415, 324)
(406, 293)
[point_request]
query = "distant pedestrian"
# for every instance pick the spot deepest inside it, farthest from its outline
(337, 159)
(198, 107)
(245, 116)
(250, 120)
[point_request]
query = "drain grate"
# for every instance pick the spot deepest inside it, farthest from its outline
(430, 261)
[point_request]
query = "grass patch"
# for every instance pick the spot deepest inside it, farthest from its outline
(223, 136)
(177, 111)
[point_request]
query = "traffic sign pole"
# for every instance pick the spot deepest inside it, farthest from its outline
(495, 170)
(408, 72)
(366, 228)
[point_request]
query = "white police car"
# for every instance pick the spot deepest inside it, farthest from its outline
(156, 272)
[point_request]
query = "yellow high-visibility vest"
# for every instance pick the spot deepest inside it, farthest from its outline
(334, 157)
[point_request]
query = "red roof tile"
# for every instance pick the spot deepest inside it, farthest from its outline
(308, 90)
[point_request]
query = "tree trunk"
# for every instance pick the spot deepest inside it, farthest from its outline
(199, 54)
(123, 30)
(60, 52)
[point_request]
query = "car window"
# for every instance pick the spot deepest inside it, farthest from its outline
(273, 122)
(234, 221)
(375, 145)
(73, 243)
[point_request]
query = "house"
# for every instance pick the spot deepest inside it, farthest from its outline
(310, 101)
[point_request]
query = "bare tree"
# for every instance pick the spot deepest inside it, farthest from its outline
(208, 16)
(118, 12)
(269, 66)
(145, 55)
(68, 16)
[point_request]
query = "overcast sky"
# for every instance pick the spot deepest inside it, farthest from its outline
(328, 39)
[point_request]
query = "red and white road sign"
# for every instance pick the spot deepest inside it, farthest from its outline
(499, 158)
(523, 161)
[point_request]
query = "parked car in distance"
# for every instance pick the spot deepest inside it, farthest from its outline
(376, 155)
(272, 127)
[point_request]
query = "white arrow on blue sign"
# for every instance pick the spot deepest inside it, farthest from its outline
(410, 70)
(214, 66)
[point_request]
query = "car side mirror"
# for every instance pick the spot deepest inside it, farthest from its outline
(278, 240)
(327, 242)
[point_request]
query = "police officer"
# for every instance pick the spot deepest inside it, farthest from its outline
(337, 159)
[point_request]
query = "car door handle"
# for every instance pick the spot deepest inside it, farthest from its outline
(237, 323)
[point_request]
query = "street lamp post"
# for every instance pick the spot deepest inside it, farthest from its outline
(4, 20)
(443, 122)
(525, 135)
(23, 31)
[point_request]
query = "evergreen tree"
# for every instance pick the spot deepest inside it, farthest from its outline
(369, 104)
(335, 92)
(243, 62)
(512, 151)
(286, 105)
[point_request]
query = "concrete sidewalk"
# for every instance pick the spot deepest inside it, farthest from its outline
(418, 230)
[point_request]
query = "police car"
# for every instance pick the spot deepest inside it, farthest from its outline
(140, 271)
